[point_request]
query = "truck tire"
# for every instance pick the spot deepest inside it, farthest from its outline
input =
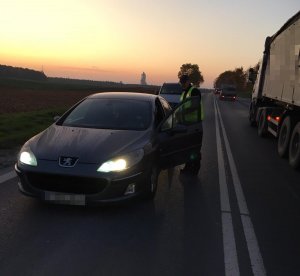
(252, 116)
(284, 137)
(294, 148)
(262, 123)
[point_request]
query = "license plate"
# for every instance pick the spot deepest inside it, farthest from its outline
(62, 198)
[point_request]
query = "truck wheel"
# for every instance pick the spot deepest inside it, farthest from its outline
(284, 137)
(252, 116)
(262, 124)
(294, 149)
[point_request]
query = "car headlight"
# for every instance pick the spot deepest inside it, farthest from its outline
(123, 162)
(27, 157)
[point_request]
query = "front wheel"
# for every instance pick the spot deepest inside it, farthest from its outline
(294, 149)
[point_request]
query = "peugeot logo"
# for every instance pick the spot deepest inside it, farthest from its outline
(67, 162)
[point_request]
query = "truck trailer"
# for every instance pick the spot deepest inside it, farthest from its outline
(275, 104)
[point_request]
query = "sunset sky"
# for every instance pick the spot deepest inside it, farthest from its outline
(116, 40)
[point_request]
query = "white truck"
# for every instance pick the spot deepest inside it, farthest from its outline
(275, 104)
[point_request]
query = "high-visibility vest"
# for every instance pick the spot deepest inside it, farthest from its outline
(192, 116)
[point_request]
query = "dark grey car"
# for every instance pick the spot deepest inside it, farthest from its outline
(228, 93)
(107, 148)
(171, 92)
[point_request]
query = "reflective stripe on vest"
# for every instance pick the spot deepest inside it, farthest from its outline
(188, 95)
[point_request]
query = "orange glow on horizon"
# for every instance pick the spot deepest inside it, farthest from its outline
(118, 40)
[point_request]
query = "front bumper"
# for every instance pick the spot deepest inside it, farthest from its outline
(228, 98)
(80, 186)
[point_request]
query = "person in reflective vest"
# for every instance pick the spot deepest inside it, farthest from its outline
(193, 114)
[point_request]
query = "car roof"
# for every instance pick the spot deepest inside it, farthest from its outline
(171, 83)
(124, 95)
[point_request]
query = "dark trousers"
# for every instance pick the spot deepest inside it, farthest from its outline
(194, 164)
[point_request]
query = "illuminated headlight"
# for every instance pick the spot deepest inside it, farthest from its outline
(123, 162)
(27, 157)
(113, 165)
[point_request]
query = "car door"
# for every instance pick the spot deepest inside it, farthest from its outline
(180, 137)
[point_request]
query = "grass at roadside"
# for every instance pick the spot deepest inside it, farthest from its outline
(17, 128)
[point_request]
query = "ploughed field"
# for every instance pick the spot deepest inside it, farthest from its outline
(22, 100)
(18, 99)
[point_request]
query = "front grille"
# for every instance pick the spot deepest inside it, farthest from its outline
(66, 184)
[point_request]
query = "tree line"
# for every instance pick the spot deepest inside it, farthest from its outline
(11, 72)
(242, 79)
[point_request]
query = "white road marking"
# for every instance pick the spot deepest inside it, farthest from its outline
(252, 244)
(229, 245)
(230, 252)
(7, 176)
(225, 205)
(256, 259)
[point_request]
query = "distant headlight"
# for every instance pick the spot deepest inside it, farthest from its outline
(123, 162)
(27, 157)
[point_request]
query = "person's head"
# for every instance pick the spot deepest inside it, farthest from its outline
(185, 81)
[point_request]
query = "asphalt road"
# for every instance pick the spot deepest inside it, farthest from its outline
(240, 216)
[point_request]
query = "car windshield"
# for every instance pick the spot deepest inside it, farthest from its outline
(174, 88)
(110, 114)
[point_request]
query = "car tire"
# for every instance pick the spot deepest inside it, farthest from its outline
(294, 148)
(284, 137)
(152, 181)
(262, 123)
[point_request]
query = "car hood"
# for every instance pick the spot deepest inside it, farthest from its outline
(88, 145)
(171, 98)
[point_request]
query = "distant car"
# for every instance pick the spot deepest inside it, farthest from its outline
(217, 91)
(171, 92)
(107, 148)
(228, 93)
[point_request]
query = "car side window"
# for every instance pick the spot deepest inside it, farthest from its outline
(185, 114)
(167, 124)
